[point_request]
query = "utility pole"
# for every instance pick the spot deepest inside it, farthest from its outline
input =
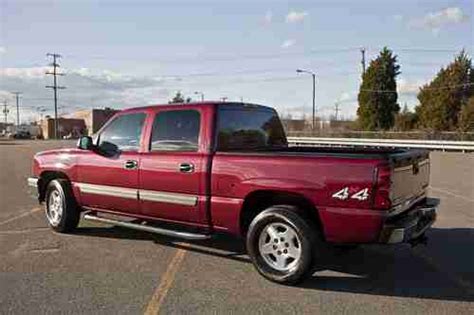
(55, 88)
(336, 109)
(5, 113)
(17, 96)
(362, 51)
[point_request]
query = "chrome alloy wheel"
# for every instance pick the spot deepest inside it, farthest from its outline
(280, 246)
(54, 209)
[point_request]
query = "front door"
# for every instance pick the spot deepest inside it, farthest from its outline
(173, 170)
(108, 176)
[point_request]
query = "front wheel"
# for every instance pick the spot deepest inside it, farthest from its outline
(281, 244)
(61, 210)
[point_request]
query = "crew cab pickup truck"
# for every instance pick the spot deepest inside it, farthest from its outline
(196, 170)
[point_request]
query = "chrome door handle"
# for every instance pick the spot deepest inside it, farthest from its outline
(131, 165)
(186, 168)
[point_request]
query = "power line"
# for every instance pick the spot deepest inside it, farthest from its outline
(444, 87)
(55, 88)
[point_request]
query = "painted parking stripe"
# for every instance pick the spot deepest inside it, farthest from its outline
(166, 282)
(21, 215)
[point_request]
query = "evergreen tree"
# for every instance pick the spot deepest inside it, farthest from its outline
(406, 120)
(377, 94)
(442, 100)
(466, 117)
(179, 98)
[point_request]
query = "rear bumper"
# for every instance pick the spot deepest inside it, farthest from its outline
(410, 225)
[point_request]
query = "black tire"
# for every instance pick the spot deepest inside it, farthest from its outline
(70, 213)
(344, 248)
(307, 238)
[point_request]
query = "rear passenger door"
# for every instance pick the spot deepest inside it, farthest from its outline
(173, 168)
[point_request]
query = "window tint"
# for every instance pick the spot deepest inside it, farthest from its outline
(176, 130)
(249, 128)
(124, 132)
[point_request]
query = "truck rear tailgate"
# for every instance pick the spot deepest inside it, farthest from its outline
(410, 178)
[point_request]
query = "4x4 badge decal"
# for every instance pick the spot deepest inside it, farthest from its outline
(343, 194)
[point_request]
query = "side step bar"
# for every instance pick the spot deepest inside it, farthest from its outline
(147, 228)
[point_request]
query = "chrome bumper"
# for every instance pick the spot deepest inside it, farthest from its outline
(33, 186)
(410, 225)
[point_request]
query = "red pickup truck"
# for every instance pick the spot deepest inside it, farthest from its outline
(195, 170)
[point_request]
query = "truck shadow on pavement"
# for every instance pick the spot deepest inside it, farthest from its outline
(442, 270)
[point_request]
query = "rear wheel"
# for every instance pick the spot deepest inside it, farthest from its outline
(282, 244)
(61, 210)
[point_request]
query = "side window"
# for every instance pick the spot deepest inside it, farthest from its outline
(176, 130)
(123, 132)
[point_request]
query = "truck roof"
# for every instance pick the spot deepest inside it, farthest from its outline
(197, 104)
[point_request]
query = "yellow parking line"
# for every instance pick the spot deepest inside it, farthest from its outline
(21, 215)
(167, 280)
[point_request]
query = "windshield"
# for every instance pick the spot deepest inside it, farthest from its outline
(249, 128)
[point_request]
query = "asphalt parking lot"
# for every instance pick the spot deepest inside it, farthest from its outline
(116, 271)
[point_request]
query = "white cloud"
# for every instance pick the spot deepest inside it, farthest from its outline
(295, 16)
(267, 19)
(346, 96)
(2, 50)
(435, 21)
(409, 87)
(288, 43)
(397, 17)
(28, 73)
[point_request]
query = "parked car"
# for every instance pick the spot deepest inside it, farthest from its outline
(226, 167)
(20, 134)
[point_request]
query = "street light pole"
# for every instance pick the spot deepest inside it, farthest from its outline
(313, 75)
(200, 93)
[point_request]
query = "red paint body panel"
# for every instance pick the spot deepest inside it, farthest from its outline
(222, 181)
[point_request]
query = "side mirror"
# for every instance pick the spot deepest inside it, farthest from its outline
(85, 143)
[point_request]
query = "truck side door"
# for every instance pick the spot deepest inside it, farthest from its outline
(173, 169)
(108, 176)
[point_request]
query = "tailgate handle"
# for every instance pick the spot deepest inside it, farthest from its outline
(186, 168)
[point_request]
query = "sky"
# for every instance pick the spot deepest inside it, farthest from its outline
(125, 53)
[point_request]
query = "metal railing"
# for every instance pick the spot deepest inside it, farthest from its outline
(463, 146)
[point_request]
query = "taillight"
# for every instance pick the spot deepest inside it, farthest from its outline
(382, 188)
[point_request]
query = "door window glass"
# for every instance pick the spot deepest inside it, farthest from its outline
(123, 132)
(176, 130)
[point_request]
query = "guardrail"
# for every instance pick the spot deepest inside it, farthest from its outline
(463, 146)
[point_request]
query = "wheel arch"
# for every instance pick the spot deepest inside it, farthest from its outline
(45, 178)
(257, 201)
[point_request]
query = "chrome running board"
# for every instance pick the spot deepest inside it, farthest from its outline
(147, 228)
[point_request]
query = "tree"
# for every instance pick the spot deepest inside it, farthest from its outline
(179, 98)
(442, 99)
(406, 120)
(378, 93)
(466, 116)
